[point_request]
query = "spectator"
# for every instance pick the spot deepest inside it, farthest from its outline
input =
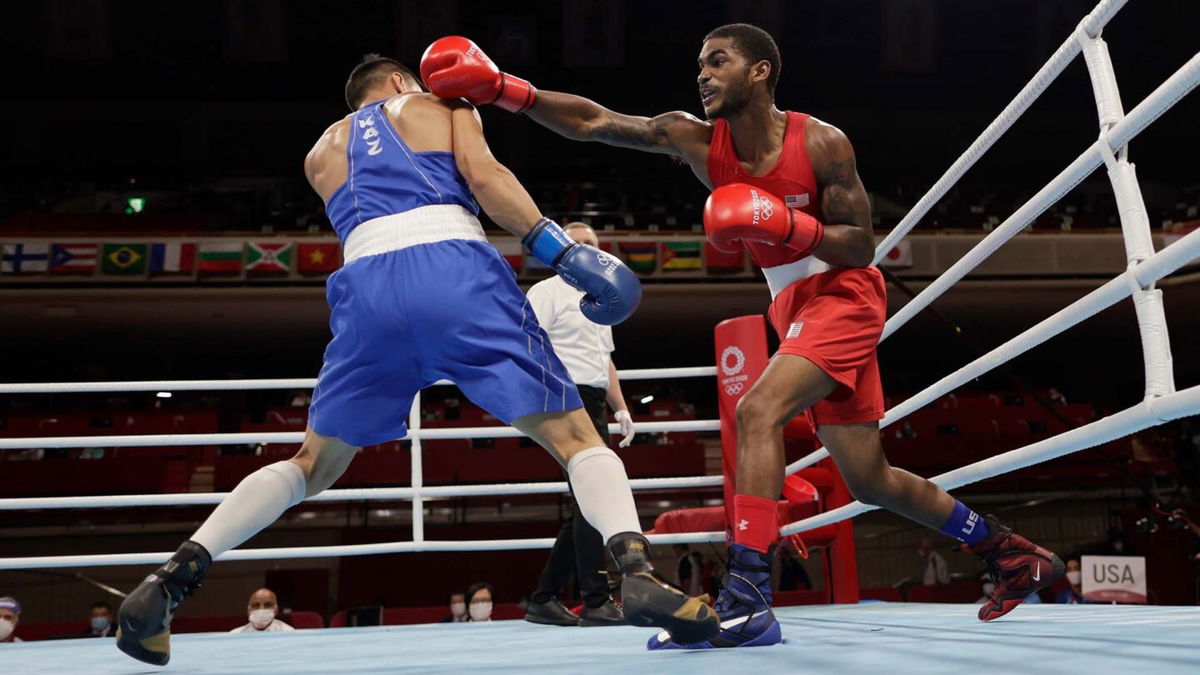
(479, 602)
(935, 572)
(262, 608)
(1056, 397)
(1116, 544)
(101, 621)
(10, 616)
(458, 608)
(1074, 594)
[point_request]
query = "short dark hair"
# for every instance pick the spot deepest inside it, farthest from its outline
(369, 72)
(755, 44)
(103, 605)
(479, 586)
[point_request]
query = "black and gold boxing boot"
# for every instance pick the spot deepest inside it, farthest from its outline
(648, 600)
(144, 619)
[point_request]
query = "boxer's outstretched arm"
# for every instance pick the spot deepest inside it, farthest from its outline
(846, 209)
(496, 189)
(575, 117)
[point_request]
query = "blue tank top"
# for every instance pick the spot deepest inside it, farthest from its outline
(385, 177)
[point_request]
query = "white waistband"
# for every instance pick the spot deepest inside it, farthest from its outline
(779, 278)
(423, 225)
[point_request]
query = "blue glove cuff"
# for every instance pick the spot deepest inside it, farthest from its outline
(547, 241)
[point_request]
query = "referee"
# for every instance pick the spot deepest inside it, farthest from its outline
(585, 349)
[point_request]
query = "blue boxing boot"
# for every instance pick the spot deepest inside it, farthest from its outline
(744, 606)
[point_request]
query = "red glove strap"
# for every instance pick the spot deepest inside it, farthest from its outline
(811, 228)
(516, 95)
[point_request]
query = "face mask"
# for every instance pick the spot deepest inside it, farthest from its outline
(481, 611)
(99, 624)
(1073, 576)
(6, 628)
(261, 618)
(458, 608)
(988, 588)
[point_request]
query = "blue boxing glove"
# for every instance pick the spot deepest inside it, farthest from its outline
(611, 290)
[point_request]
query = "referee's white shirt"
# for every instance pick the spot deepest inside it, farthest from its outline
(584, 347)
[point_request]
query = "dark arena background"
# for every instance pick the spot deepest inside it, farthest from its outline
(157, 229)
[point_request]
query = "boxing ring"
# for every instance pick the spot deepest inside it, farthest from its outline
(933, 638)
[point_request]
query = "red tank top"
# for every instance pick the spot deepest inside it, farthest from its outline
(791, 179)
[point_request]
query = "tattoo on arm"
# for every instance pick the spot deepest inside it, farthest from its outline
(629, 131)
(843, 197)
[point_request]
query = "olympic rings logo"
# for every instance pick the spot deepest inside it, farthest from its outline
(733, 389)
(767, 208)
(739, 360)
(607, 262)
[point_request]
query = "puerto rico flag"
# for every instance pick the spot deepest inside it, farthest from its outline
(23, 258)
(73, 258)
(172, 258)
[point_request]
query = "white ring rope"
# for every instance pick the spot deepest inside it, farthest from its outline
(1142, 273)
(348, 494)
(1160, 265)
(246, 438)
(276, 383)
(1062, 57)
(1131, 420)
(1170, 259)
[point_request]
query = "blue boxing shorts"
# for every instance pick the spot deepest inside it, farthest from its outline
(404, 319)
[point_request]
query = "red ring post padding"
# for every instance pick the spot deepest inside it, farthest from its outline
(741, 353)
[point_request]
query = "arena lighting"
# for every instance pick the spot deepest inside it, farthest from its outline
(135, 205)
(163, 394)
(647, 399)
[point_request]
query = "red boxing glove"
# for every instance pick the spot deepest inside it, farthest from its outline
(455, 67)
(739, 212)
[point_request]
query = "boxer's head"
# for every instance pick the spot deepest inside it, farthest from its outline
(377, 77)
(582, 233)
(737, 62)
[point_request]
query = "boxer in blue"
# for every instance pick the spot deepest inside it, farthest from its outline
(422, 296)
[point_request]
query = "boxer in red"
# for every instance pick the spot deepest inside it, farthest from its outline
(785, 186)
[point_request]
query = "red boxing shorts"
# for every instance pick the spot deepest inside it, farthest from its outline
(834, 319)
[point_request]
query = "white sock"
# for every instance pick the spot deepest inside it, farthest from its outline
(254, 504)
(602, 492)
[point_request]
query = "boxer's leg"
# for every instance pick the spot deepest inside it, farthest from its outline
(264, 495)
(606, 501)
(257, 501)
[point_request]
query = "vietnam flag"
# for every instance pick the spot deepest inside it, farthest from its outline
(317, 258)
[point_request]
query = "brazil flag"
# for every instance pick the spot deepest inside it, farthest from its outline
(123, 259)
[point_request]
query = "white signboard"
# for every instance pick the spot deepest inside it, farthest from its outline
(1114, 578)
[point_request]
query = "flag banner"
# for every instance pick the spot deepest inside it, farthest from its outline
(172, 258)
(680, 256)
(123, 259)
(640, 257)
(73, 258)
(899, 256)
(24, 258)
(220, 257)
(317, 258)
(513, 252)
(269, 257)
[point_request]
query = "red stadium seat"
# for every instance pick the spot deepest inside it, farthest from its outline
(301, 620)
